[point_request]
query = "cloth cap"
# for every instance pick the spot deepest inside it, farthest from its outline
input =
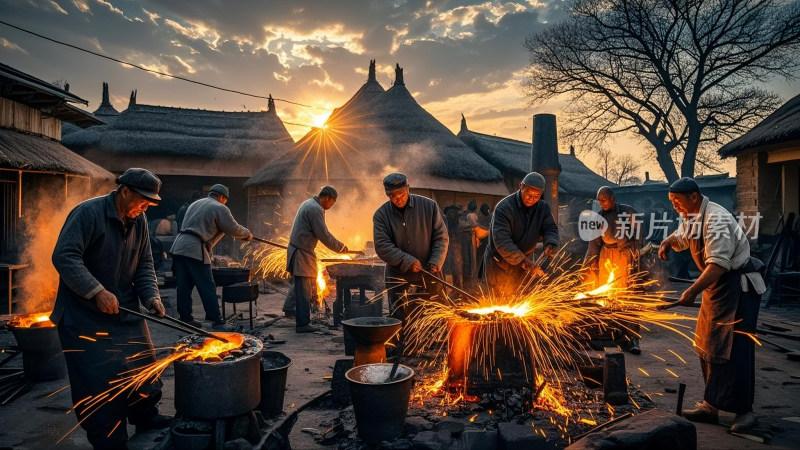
(394, 181)
(485, 208)
(534, 180)
(220, 189)
(685, 185)
(143, 182)
(472, 205)
(329, 191)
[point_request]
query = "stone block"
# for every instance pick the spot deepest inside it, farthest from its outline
(479, 440)
(513, 436)
(654, 430)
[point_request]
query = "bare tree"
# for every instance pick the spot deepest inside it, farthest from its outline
(618, 169)
(683, 75)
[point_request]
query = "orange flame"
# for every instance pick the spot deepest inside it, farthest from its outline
(37, 320)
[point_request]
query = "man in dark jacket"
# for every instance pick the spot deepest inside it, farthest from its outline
(410, 236)
(519, 222)
(205, 223)
(308, 229)
(104, 261)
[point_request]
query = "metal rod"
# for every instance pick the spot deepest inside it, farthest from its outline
(681, 280)
(681, 393)
(269, 242)
(465, 293)
(183, 327)
(191, 327)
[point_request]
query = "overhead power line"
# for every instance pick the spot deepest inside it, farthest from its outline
(136, 66)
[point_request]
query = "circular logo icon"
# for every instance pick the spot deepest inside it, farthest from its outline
(591, 225)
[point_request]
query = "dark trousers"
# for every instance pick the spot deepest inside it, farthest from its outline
(92, 365)
(305, 292)
(193, 273)
(730, 386)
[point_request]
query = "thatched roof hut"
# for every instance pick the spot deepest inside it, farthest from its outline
(781, 128)
(375, 133)
(182, 141)
(513, 159)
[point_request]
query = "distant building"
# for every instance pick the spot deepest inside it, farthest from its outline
(768, 166)
(33, 163)
(376, 132)
(189, 149)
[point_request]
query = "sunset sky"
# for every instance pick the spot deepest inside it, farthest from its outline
(458, 56)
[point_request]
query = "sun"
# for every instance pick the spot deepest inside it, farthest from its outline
(318, 120)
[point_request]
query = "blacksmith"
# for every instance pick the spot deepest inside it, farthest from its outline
(308, 229)
(617, 251)
(731, 287)
(410, 236)
(104, 261)
(519, 222)
(206, 222)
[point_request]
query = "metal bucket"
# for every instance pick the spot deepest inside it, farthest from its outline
(42, 358)
(206, 390)
(380, 407)
(274, 368)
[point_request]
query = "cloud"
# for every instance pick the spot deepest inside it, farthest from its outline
(58, 7)
(12, 46)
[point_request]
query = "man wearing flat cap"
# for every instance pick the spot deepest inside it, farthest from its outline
(731, 288)
(519, 222)
(410, 236)
(309, 228)
(205, 223)
(104, 261)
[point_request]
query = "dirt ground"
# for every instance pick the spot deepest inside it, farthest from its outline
(37, 421)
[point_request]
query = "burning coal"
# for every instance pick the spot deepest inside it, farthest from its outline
(37, 320)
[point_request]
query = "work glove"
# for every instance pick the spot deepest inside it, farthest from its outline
(528, 265)
(433, 268)
(550, 250)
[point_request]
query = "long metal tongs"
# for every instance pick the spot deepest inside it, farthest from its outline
(176, 325)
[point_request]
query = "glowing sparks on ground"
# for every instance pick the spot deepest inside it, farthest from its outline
(672, 373)
(643, 371)
(546, 323)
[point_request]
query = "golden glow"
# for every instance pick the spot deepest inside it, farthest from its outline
(36, 320)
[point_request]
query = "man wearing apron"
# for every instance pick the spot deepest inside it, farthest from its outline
(731, 287)
(616, 250)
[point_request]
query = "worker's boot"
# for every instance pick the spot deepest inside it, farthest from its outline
(634, 347)
(704, 412)
(744, 422)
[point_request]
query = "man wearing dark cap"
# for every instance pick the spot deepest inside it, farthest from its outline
(308, 229)
(731, 287)
(206, 222)
(615, 251)
(410, 235)
(519, 222)
(104, 261)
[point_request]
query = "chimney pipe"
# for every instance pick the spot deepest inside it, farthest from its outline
(544, 157)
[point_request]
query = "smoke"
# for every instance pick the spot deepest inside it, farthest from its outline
(45, 208)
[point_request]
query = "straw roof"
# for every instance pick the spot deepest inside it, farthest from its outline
(162, 132)
(780, 127)
(27, 152)
(369, 137)
(43, 96)
(513, 157)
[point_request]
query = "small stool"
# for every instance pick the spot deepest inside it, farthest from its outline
(239, 293)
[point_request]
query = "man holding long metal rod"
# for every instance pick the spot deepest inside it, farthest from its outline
(308, 229)
(731, 287)
(519, 222)
(104, 261)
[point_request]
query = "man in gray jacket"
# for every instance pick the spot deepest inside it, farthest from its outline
(104, 261)
(519, 222)
(301, 260)
(410, 236)
(205, 223)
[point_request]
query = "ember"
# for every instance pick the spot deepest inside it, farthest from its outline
(37, 320)
(199, 348)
